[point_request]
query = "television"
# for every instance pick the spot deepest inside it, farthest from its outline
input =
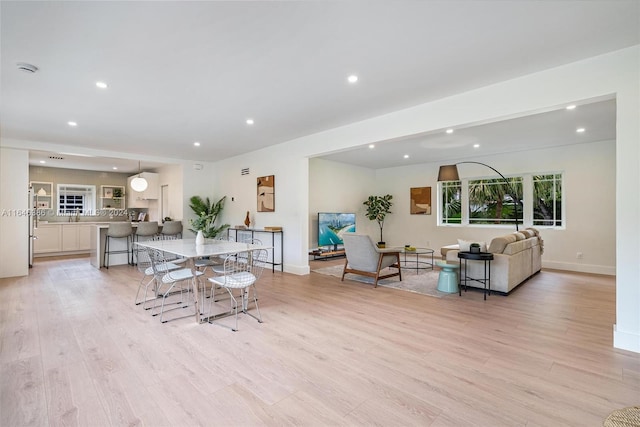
(332, 225)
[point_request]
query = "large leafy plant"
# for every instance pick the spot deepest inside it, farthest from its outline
(377, 209)
(207, 212)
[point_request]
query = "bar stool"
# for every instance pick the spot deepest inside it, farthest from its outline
(146, 230)
(171, 230)
(118, 230)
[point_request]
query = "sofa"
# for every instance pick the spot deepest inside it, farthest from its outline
(516, 257)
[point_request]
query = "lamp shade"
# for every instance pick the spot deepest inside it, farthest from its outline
(139, 184)
(448, 173)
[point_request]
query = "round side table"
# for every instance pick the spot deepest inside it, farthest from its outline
(448, 278)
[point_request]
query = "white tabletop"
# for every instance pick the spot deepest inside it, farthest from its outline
(187, 248)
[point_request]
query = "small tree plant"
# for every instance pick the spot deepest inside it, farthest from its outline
(207, 214)
(377, 209)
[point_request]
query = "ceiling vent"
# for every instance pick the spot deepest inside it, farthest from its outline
(56, 158)
(27, 68)
(244, 171)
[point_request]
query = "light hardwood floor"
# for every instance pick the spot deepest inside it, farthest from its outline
(75, 350)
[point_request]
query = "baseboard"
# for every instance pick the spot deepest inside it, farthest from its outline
(580, 268)
(626, 340)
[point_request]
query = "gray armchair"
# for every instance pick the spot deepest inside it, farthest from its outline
(363, 257)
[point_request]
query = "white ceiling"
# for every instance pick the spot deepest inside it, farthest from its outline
(180, 72)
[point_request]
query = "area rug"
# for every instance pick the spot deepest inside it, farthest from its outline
(425, 282)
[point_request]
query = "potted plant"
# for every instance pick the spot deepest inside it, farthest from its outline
(207, 214)
(377, 209)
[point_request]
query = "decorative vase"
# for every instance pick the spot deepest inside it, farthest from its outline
(247, 221)
(199, 238)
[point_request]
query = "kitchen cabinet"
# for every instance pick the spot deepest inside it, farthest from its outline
(76, 237)
(62, 237)
(49, 238)
(139, 199)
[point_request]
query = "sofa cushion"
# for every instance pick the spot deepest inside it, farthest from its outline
(499, 243)
(519, 235)
(527, 233)
(464, 245)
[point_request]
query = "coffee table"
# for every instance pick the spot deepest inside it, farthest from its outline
(408, 261)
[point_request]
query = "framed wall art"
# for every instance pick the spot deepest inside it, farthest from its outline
(266, 193)
(420, 201)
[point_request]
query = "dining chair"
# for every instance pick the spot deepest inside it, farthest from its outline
(170, 278)
(215, 263)
(148, 278)
(241, 272)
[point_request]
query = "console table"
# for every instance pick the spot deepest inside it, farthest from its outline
(486, 257)
(240, 234)
(322, 255)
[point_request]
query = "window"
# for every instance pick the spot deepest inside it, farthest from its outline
(76, 199)
(547, 200)
(491, 201)
(537, 201)
(451, 202)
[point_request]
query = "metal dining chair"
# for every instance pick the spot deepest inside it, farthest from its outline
(144, 231)
(145, 266)
(170, 278)
(241, 272)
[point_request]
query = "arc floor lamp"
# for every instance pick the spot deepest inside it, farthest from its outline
(450, 173)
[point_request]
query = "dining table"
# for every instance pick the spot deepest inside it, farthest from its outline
(188, 249)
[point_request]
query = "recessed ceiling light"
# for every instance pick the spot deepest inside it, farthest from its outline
(115, 168)
(197, 144)
(372, 146)
(102, 85)
(406, 156)
(449, 130)
(571, 107)
(43, 162)
(476, 145)
(352, 78)
(580, 130)
(72, 124)
(249, 121)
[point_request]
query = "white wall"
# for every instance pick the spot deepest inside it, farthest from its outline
(14, 205)
(196, 182)
(338, 187)
(171, 176)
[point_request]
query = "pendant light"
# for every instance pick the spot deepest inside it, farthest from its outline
(138, 183)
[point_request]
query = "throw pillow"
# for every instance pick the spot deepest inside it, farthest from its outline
(464, 245)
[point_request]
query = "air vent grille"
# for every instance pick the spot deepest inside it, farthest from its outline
(56, 158)
(244, 171)
(27, 68)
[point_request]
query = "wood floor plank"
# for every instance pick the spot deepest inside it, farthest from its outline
(75, 350)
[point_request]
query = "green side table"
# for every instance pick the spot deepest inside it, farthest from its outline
(448, 279)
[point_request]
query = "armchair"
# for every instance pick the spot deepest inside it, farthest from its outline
(363, 257)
